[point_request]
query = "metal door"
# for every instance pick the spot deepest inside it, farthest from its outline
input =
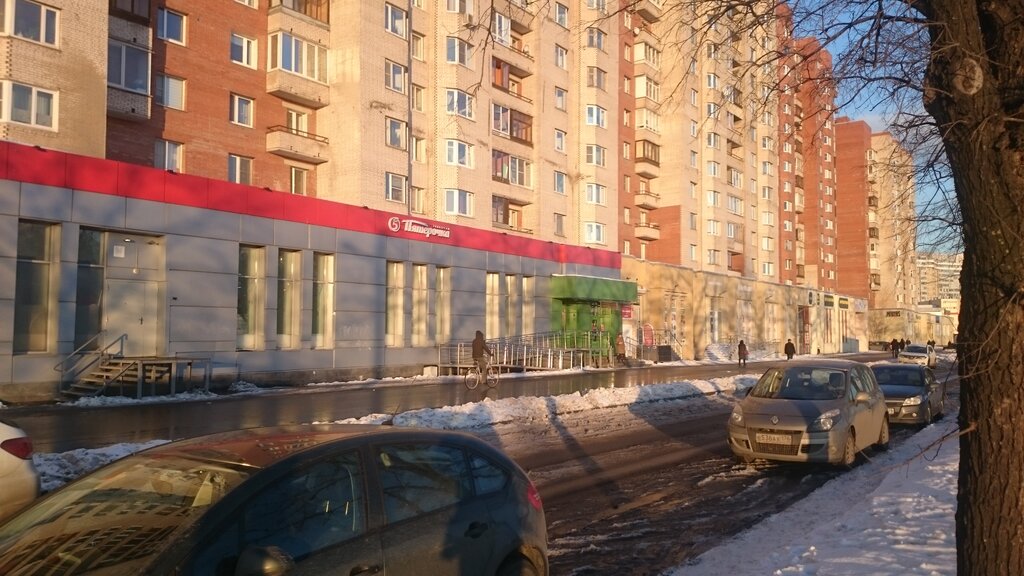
(130, 311)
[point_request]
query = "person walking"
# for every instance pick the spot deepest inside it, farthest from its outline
(620, 350)
(741, 352)
(481, 352)
(790, 349)
(894, 348)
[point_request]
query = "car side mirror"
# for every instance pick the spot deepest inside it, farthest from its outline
(263, 561)
(862, 398)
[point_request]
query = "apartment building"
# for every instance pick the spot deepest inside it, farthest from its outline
(877, 215)
(939, 275)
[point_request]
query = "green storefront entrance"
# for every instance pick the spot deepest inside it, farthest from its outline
(589, 309)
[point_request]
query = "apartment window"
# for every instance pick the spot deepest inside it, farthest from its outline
(243, 50)
(510, 169)
(394, 187)
(459, 153)
(249, 3)
(417, 46)
(460, 103)
(394, 20)
(787, 225)
(297, 122)
(458, 6)
(137, 8)
(394, 307)
(419, 149)
(418, 98)
(626, 116)
(298, 56)
(596, 116)
(561, 57)
(767, 268)
(28, 105)
(561, 97)
(502, 29)
(559, 224)
(714, 140)
(693, 220)
(170, 26)
(297, 180)
(714, 257)
(714, 198)
(33, 296)
(249, 334)
(127, 67)
(648, 88)
(714, 228)
(694, 158)
(626, 150)
(394, 76)
(501, 121)
(416, 200)
(167, 155)
(395, 133)
(596, 193)
(323, 300)
(559, 140)
(712, 110)
(595, 155)
(458, 51)
(169, 92)
(560, 179)
(693, 252)
(768, 218)
(733, 231)
(241, 110)
(562, 15)
(767, 192)
(593, 233)
(595, 38)
(596, 77)
(714, 168)
(33, 21)
(458, 202)
(693, 97)
(239, 169)
(600, 6)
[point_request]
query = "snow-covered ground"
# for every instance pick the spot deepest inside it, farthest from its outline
(892, 515)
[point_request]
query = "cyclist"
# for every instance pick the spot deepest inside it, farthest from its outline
(480, 350)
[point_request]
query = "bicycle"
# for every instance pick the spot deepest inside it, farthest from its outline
(473, 376)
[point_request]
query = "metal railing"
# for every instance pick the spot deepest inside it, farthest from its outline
(85, 357)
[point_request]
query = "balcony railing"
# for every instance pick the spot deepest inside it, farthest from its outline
(647, 231)
(297, 144)
(646, 199)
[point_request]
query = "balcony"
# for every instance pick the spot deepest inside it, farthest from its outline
(648, 159)
(319, 10)
(798, 205)
(647, 231)
(128, 105)
(646, 199)
(297, 89)
(649, 10)
(296, 145)
(519, 12)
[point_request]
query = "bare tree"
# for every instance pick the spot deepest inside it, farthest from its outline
(949, 77)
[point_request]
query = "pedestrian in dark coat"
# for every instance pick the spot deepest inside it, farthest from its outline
(790, 349)
(741, 352)
(894, 348)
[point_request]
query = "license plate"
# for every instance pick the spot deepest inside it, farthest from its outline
(773, 438)
(892, 410)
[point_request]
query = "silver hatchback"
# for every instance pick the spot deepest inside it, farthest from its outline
(810, 411)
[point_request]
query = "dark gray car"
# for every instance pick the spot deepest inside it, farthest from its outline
(321, 499)
(817, 410)
(912, 393)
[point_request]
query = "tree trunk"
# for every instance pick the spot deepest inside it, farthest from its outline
(975, 91)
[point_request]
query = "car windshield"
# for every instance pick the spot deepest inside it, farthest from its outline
(116, 518)
(801, 383)
(898, 376)
(916, 349)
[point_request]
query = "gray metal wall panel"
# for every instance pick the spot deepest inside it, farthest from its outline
(397, 249)
(202, 324)
(9, 236)
(362, 270)
(291, 235)
(48, 202)
(256, 230)
(192, 288)
(93, 209)
(201, 254)
(213, 224)
(323, 239)
(361, 244)
(151, 217)
(10, 197)
(8, 266)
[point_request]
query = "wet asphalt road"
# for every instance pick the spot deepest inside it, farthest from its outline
(63, 427)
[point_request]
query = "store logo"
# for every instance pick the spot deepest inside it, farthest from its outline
(396, 224)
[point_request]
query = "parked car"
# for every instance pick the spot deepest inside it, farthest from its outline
(19, 480)
(918, 354)
(818, 410)
(316, 499)
(912, 393)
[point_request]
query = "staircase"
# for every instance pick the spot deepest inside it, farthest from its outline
(119, 371)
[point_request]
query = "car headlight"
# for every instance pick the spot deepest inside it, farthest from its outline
(825, 422)
(737, 415)
(912, 401)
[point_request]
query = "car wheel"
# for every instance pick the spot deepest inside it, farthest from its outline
(928, 413)
(518, 566)
(849, 451)
(744, 459)
(883, 435)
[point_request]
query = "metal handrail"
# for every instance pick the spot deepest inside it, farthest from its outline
(80, 354)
